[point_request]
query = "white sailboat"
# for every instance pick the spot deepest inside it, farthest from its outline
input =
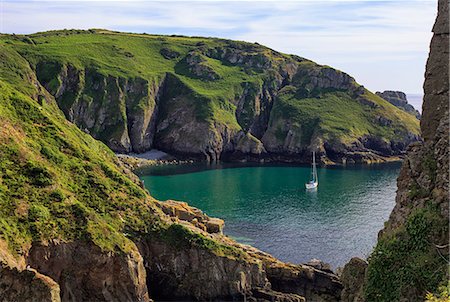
(314, 182)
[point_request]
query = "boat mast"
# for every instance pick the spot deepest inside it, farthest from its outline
(314, 167)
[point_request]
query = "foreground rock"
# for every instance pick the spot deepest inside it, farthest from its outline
(26, 285)
(176, 266)
(85, 273)
(257, 274)
(352, 278)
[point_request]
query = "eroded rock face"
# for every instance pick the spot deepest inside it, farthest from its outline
(85, 273)
(120, 112)
(26, 285)
(197, 274)
(163, 269)
(186, 272)
(263, 295)
(435, 105)
(314, 284)
(199, 67)
(426, 167)
(398, 99)
(21, 283)
(352, 278)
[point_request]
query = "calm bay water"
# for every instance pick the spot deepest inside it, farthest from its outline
(268, 207)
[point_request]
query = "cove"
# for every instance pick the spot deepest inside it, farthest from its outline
(267, 206)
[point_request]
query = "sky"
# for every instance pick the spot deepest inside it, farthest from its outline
(382, 44)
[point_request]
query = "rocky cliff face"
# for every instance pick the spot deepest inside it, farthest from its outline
(121, 112)
(411, 256)
(398, 99)
(84, 272)
(216, 99)
(173, 267)
(19, 282)
(231, 271)
(26, 285)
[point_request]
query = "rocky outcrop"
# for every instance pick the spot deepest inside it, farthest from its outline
(198, 66)
(190, 261)
(177, 269)
(352, 278)
(26, 285)
(85, 273)
(313, 284)
(435, 106)
(190, 273)
(198, 274)
(120, 112)
(424, 175)
(263, 295)
(398, 99)
(19, 282)
(182, 211)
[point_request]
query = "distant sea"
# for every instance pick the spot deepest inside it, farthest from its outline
(416, 100)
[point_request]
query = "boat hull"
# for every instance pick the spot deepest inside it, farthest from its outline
(310, 186)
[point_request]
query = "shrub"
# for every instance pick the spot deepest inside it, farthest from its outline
(406, 264)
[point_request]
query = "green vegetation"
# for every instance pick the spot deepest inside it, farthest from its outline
(54, 183)
(180, 237)
(443, 294)
(338, 116)
(408, 262)
(99, 60)
(57, 182)
(131, 56)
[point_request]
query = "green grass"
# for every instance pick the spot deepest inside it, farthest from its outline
(56, 182)
(109, 54)
(338, 116)
(179, 237)
(138, 57)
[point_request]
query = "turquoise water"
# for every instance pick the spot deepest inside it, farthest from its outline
(268, 207)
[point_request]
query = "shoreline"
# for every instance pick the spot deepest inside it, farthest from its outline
(152, 158)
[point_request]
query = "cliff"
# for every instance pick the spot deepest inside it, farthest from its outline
(412, 253)
(210, 98)
(76, 225)
(398, 99)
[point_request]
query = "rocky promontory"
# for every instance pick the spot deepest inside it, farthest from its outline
(398, 99)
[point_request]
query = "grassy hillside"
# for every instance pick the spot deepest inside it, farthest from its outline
(58, 183)
(340, 117)
(198, 95)
(133, 55)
